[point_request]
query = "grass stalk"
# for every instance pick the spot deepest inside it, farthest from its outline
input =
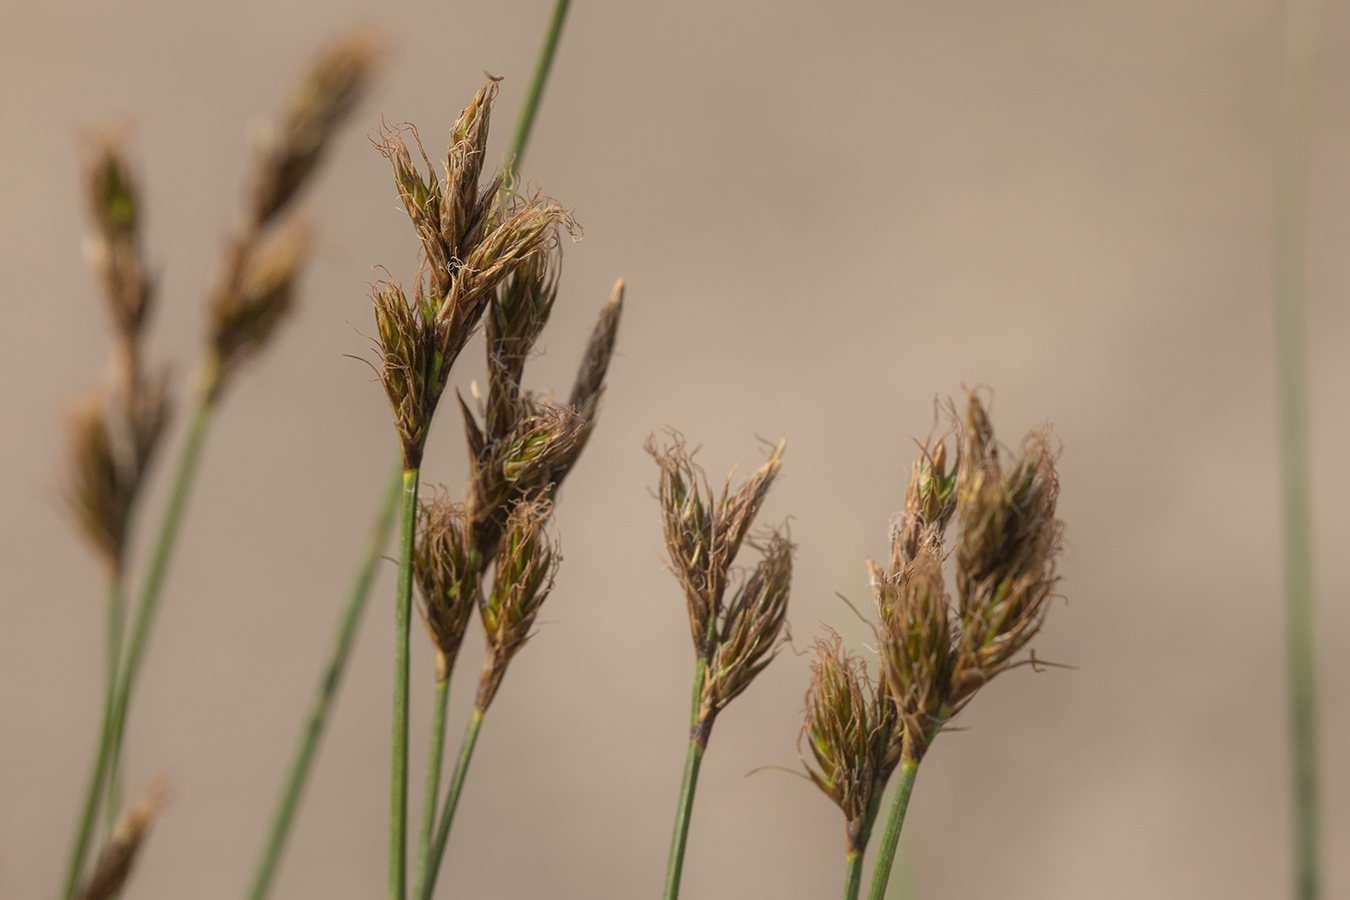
(322, 704)
(398, 792)
(451, 802)
(115, 716)
(535, 92)
(433, 785)
(1289, 264)
(881, 873)
(853, 874)
(116, 627)
(685, 808)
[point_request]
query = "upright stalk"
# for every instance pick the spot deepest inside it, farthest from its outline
(881, 874)
(692, 760)
(433, 785)
(853, 874)
(322, 704)
(116, 714)
(398, 793)
(1300, 46)
(536, 90)
(116, 626)
(451, 801)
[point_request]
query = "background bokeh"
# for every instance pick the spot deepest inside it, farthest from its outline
(827, 214)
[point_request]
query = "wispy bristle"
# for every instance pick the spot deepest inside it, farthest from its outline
(915, 643)
(448, 569)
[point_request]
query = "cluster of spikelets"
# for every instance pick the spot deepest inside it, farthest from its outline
(115, 432)
(735, 640)
(937, 651)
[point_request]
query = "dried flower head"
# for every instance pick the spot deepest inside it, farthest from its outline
(590, 383)
(515, 317)
(851, 728)
(110, 450)
(1006, 550)
(324, 96)
(448, 569)
(745, 638)
(115, 248)
(114, 864)
(915, 643)
(525, 565)
(930, 501)
(703, 535)
(246, 311)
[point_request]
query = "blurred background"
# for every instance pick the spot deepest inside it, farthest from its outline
(828, 215)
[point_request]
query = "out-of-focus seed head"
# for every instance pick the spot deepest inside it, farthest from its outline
(115, 248)
(915, 644)
(320, 101)
(245, 314)
(525, 565)
(448, 569)
(115, 862)
(1006, 550)
(746, 639)
(850, 728)
(703, 534)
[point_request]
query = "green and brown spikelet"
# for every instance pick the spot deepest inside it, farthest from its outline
(1007, 546)
(448, 569)
(526, 561)
(916, 646)
(115, 862)
(852, 730)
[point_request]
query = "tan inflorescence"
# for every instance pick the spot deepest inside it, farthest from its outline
(448, 568)
(733, 641)
(115, 862)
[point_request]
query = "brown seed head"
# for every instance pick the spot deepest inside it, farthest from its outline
(116, 252)
(746, 639)
(321, 100)
(448, 569)
(414, 375)
(930, 502)
(590, 383)
(850, 728)
(466, 208)
(525, 565)
(703, 535)
(115, 862)
(1007, 546)
(245, 312)
(915, 643)
(516, 315)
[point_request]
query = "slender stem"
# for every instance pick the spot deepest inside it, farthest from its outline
(433, 785)
(398, 793)
(451, 801)
(111, 737)
(322, 703)
(536, 89)
(853, 874)
(684, 810)
(881, 874)
(116, 625)
(1300, 48)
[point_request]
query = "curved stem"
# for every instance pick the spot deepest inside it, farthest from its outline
(322, 704)
(451, 801)
(398, 791)
(881, 874)
(111, 738)
(433, 785)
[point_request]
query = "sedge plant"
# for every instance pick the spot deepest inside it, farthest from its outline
(252, 296)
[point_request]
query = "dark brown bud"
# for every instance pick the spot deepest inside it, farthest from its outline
(115, 248)
(590, 383)
(525, 565)
(850, 728)
(1006, 550)
(321, 100)
(703, 535)
(117, 858)
(915, 644)
(448, 569)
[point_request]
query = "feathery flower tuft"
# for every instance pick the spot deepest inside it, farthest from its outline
(915, 642)
(851, 728)
(448, 569)
(526, 562)
(516, 315)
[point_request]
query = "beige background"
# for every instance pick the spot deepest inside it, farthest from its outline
(827, 215)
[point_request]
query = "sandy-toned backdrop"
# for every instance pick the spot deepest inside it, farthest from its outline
(827, 214)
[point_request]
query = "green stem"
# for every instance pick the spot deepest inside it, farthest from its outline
(433, 785)
(881, 874)
(684, 810)
(853, 875)
(111, 737)
(398, 792)
(451, 801)
(322, 704)
(116, 626)
(536, 89)
(1300, 48)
